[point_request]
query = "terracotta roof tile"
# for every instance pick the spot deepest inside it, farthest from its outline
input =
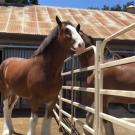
(40, 20)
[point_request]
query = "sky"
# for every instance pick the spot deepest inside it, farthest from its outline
(82, 3)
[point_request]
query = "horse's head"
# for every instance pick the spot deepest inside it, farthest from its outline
(87, 58)
(87, 39)
(69, 36)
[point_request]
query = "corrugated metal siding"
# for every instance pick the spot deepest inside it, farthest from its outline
(17, 52)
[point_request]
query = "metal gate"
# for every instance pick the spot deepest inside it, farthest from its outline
(68, 119)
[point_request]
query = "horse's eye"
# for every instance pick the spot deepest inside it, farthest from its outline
(68, 33)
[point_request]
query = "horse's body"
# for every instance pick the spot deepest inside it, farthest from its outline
(118, 78)
(38, 78)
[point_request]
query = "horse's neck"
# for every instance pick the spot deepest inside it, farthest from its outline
(53, 59)
(87, 59)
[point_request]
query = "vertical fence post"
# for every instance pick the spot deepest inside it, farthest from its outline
(75, 83)
(60, 108)
(97, 56)
(72, 94)
(101, 52)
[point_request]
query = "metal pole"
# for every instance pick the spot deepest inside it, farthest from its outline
(97, 118)
(72, 94)
(60, 108)
(101, 59)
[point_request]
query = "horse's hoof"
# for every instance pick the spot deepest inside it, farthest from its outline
(7, 133)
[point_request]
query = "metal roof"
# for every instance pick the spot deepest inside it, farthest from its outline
(39, 20)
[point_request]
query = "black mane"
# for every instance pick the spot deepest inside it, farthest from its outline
(87, 39)
(47, 41)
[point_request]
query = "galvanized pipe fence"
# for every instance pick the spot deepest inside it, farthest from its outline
(98, 91)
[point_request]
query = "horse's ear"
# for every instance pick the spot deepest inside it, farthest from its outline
(58, 21)
(78, 27)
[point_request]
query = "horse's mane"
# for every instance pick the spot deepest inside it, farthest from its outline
(47, 41)
(87, 39)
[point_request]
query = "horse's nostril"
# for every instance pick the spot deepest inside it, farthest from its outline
(79, 45)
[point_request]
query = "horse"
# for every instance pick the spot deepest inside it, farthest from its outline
(117, 78)
(38, 78)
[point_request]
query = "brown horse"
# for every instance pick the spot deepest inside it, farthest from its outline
(118, 78)
(38, 78)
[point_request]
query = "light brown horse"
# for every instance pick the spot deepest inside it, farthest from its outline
(118, 78)
(38, 78)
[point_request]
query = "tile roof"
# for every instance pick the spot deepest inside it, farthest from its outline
(39, 20)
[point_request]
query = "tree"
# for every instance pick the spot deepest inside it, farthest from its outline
(34, 2)
(94, 8)
(17, 1)
(23, 1)
(116, 8)
(127, 4)
(105, 7)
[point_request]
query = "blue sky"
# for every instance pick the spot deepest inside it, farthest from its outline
(82, 3)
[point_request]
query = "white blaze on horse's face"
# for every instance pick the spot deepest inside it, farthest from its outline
(79, 44)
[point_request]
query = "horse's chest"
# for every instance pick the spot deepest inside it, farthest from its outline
(48, 90)
(54, 84)
(46, 84)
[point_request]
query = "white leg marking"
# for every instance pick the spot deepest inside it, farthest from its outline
(8, 126)
(13, 104)
(46, 125)
(32, 124)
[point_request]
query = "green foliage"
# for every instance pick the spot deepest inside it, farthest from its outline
(17, 1)
(118, 7)
(34, 2)
(105, 7)
(95, 8)
(23, 1)
(127, 4)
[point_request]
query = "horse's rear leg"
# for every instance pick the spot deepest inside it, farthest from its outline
(46, 125)
(7, 110)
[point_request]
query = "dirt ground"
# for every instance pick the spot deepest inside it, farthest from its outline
(21, 126)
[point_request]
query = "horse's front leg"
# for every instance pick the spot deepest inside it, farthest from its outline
(46, 125)
(8, 107)
(32, 124)
(109, 130)
(89, 121)
(33, 118)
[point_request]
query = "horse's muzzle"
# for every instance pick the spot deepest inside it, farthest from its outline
(80, 49)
